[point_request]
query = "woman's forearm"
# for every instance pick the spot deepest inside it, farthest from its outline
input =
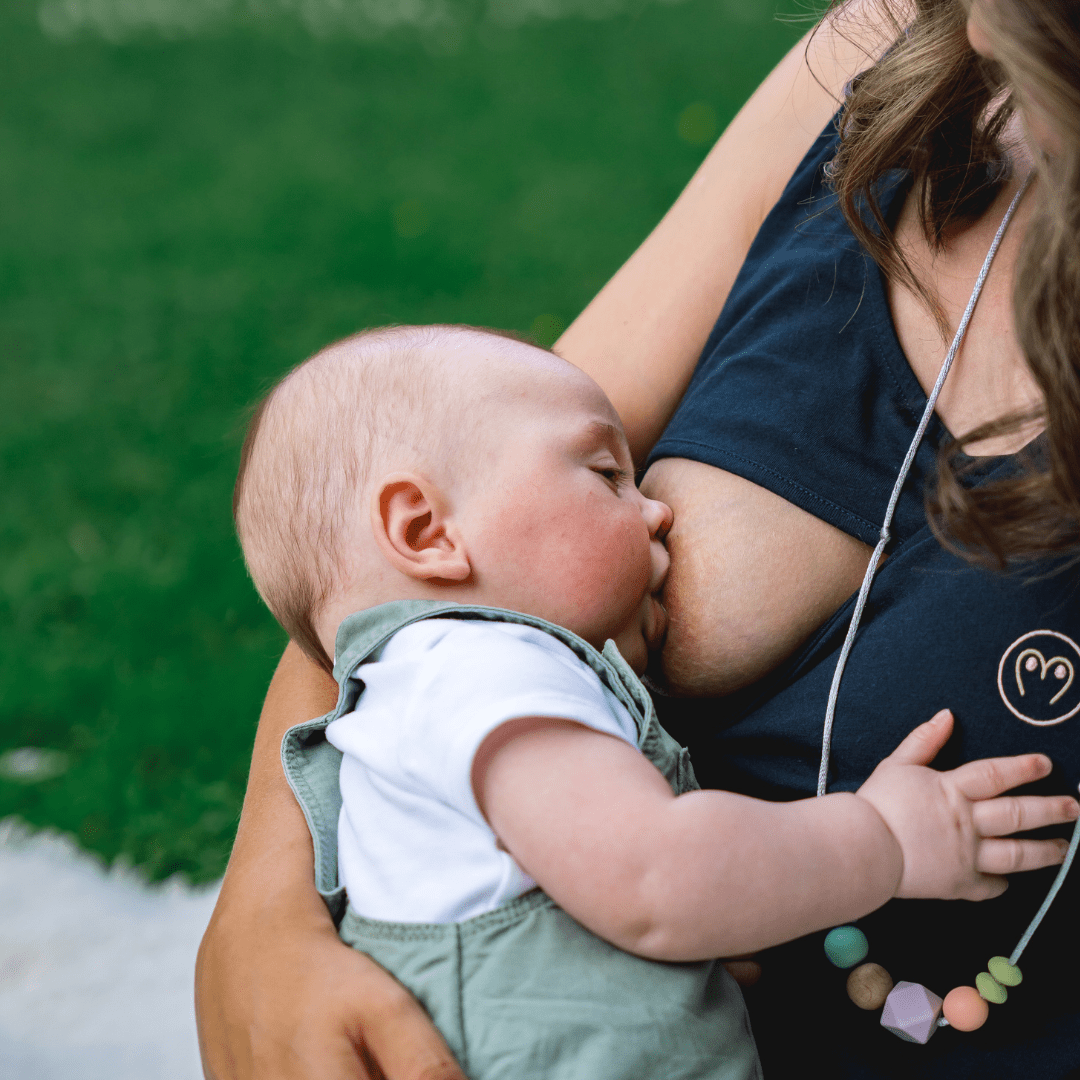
(272, 840)
(270, 876)
(272, 858)
(277, 994)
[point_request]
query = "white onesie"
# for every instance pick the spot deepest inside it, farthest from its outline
(412, 843)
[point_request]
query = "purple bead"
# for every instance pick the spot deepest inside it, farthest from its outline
(911, 1011)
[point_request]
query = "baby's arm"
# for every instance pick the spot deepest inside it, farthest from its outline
(710, 873)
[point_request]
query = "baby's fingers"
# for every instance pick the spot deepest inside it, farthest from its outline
(1013, 856)
(1019, 813)
(984, 887)
(991, 776)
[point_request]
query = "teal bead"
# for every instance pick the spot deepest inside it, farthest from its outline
(1007, 974)
(990, 988)
(846, 946)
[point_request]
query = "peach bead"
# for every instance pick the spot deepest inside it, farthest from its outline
(965, 1009)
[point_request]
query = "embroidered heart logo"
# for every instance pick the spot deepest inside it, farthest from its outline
(1036, 678)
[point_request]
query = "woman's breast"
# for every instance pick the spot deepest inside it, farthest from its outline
(752, 576)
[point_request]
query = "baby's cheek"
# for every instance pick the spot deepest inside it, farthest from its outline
(627, 569)
(561, 577)
(633, 557)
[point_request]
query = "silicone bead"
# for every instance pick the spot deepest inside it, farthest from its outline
(911, 1012)
(846, 946)
(965, 1008)
(869, 985)
(1007, 974)
(990, 988)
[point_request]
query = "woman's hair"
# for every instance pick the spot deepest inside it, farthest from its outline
(933, 106)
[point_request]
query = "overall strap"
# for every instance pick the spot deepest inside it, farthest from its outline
(312, 765)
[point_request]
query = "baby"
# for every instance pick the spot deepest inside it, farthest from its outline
(519, 841)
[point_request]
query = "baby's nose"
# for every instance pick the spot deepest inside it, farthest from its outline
(658, 515)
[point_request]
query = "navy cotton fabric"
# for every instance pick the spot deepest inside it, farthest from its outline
(803, 389)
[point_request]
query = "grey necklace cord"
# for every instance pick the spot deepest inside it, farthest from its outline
(885, 536)
(1022, 944)
(875, 561)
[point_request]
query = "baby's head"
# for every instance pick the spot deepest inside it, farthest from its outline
(448, 463)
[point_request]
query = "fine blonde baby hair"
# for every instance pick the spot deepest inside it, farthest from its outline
(388, 398)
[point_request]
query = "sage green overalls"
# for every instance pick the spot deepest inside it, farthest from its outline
(524, 992)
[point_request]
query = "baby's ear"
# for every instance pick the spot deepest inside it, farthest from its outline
(415, 532)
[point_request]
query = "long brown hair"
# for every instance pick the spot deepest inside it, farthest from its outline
(933, 106)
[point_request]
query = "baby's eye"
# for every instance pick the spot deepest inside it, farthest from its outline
(614, 475)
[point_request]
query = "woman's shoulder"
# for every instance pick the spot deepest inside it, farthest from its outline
(783, 120)
(640, 338)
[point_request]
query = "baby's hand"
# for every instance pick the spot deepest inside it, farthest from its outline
(947, 824)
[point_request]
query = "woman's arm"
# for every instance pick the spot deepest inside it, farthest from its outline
(641, 336)
(277, 994)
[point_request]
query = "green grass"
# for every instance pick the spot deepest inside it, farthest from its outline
(181, 221)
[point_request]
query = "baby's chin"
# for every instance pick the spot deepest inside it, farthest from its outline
(633, 652)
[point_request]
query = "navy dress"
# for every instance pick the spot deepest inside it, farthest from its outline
(803, 389)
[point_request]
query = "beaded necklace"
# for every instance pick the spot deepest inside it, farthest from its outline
(910, 1010)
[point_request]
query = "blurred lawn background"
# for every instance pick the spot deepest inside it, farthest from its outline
(195, 195)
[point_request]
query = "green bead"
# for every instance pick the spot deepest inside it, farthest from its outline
(990, 988)
(846, 946)
(1007, 974)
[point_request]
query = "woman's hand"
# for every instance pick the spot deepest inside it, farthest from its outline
(282, 999)
(953, 828)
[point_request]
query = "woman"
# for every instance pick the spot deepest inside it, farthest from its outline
(778, 465)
